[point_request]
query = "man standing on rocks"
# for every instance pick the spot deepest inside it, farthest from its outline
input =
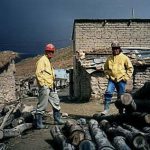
(118, 69)
(47, 92)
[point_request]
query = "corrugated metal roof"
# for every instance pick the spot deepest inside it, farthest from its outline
(138, 56)
(139, 53)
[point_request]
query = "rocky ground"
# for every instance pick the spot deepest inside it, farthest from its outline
(41, 139)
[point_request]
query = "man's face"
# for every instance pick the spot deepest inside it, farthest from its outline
(50, 54)
(115, 50)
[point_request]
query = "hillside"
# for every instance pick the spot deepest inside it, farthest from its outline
(63, 59)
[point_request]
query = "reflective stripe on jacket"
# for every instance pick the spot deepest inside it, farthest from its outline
(45, 72)
(118, 68)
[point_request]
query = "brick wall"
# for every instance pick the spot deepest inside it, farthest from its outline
(91, 35)
(95, 35)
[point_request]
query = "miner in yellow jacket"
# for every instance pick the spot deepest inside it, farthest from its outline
(118, 69)
(47, 92)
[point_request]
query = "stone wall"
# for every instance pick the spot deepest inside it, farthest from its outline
(82, 90)
(92, 35)
(7, 83)
(98, 85)
(141, 75)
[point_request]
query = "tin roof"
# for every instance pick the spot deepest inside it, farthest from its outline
(95, 60)
(138, 53)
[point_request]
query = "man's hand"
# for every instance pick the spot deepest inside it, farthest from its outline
(107, 76)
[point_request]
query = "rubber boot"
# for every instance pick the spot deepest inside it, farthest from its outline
(57, 117)
(39, 121)
(107, 101)
(106, 108)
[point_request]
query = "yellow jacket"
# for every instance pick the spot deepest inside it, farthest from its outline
(118, 68)
(45, 72)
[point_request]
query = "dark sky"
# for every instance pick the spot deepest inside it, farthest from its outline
(27, 25)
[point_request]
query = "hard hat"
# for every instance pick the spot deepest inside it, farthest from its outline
(50, 47)
(115, 44)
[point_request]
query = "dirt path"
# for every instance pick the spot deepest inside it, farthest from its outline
(41, 139)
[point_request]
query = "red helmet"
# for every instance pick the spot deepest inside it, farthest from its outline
(50, 47)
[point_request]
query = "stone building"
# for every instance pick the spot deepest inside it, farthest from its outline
(91, 45)
(7, 79)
